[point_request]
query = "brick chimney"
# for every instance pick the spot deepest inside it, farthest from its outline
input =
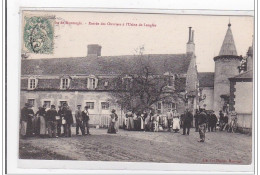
(94, 50)
(190, 47)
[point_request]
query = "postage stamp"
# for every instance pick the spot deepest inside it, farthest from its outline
(38, 34)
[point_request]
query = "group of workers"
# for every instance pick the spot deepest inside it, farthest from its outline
(50, 122)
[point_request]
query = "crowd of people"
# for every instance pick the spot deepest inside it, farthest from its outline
(49, 123)
(173, 121)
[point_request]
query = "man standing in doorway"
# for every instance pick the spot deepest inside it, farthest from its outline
(85, 116)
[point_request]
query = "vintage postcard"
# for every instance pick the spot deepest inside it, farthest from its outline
(128, 87)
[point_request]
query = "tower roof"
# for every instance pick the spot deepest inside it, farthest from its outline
(228, 47)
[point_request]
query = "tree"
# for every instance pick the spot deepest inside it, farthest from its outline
(140, 87)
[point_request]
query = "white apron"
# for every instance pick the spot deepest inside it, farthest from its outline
(176, 123)
(42, 126)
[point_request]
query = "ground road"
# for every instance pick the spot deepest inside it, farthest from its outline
(220, 147)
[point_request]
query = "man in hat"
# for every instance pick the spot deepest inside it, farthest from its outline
(79, 120)
(29, 129)
(85, 116)
(187, 122)
(59, 121)
(69, 121)
(196, 116)
(212, 121)
(202, 122)
(25, 115)
(221, 120)
(51, 121)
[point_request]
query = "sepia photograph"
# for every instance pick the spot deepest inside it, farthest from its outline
(136, 87)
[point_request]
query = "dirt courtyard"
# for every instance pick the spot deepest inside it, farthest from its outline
(139, 146)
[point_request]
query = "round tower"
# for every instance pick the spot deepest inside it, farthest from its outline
(226, 66)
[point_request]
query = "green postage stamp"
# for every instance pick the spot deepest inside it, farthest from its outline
(38, 34)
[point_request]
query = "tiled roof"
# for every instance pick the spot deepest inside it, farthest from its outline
(206, 79)
(80, 84)
(104, 65)
(228, 46)
(244, 75)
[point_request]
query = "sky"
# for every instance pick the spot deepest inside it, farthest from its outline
(167, 34)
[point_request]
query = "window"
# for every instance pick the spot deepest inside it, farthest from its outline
(106, 83)
(64, 83)
(104, 105)
(31, 102)
(127, 83)
(47, 104)
(171, 106)
(159, 107)
(92, 83)
(32, 82)
(90, 105)
(63, 102)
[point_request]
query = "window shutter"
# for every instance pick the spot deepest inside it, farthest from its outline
(61, 83)
(28, 83)
(36, 82)
(88, 82)
(69, 80)
(96, 83)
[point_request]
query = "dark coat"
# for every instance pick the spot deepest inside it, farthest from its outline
(202, 118)
(196, 117)
(85, 116)
(41, 112)
(51, 115)
(26, 114)
(187, 119)
(68, 116)
(225, 119)
(221, 117)
(213, 119)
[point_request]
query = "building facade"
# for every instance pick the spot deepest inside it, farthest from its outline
(89, 81)
(230, 87)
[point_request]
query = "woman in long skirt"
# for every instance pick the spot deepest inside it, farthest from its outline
(41, 113)
(176, 121)
(111, 127)
(130, 121)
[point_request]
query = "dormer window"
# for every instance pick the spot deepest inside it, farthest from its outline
(32, 83)
(65, 83)
(127, 82)
(92, 82)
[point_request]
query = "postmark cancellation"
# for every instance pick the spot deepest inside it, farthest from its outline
(38, 34)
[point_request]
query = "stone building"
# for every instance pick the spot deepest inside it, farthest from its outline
(89, 81)
(230, 87)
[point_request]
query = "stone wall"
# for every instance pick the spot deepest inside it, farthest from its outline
(74, 98)
(209, 101)
(224, 68)
(244, 97)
